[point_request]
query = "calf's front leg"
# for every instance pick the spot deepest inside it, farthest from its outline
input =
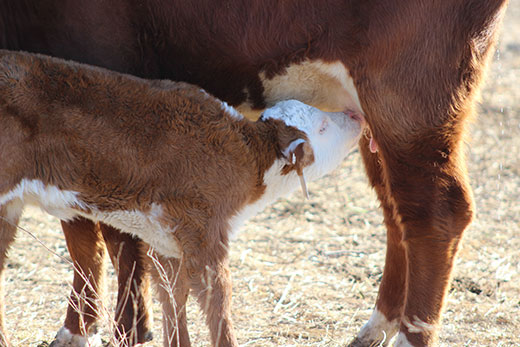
(205, 257)
(212, 287)
(133, 312)
(173, 286)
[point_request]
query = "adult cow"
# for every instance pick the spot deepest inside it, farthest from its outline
(414, 67)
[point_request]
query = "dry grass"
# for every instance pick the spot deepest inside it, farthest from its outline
(306, 273)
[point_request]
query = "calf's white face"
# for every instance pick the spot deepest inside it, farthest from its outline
(331, 135)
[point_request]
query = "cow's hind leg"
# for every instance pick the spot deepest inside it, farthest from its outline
(133, 318)
(434, 206)
(9, 216)
(87, 250)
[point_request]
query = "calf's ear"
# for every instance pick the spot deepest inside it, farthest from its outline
(298, 155)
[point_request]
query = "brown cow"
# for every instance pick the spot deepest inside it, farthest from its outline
(414, 65)
(169, 164)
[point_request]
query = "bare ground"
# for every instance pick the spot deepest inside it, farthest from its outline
(306, 273)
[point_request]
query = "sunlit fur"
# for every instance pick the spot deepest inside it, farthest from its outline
(182, 181)
(415, 66)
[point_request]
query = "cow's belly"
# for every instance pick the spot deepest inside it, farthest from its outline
(327, 86)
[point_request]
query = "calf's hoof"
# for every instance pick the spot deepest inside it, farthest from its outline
(64, 338)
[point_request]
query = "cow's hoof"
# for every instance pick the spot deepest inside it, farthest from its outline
(357, 343)
(363, 342)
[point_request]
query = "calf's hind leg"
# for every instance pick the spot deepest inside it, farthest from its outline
(86, 243)
(9, 216)
(87, 250)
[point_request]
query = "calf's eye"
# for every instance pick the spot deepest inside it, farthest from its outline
(323, 126)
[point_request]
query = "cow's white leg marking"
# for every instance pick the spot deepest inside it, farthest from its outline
(402, 341)
(378, 328)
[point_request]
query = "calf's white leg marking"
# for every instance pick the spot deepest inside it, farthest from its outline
(64, 338)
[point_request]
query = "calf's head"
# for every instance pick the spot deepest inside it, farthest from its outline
(326, 139)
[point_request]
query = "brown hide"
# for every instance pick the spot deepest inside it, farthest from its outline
(416, 65)
(125, 145)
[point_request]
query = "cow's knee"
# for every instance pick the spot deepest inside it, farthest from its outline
(432, 218)
(439, 208)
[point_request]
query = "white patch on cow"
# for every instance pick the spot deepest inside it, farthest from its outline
(331, 137)
(51, 199)
(231, 110)
(327, 86)
(64, 338)
(416, 325)
(66, 205)
(378, 329)
(402, 341)
(247, 111)
(338, 71)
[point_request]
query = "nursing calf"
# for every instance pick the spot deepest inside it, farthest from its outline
(414, 67)
(159, 160)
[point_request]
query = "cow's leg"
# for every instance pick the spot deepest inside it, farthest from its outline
(172, 283)
(425, 182)
(87, 250)
(417, 94)
(9, 216)
(386, 317)
(427, 205)
(133, 319)
(434, 209)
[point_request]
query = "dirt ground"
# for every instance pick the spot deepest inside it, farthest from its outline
(306, 273)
